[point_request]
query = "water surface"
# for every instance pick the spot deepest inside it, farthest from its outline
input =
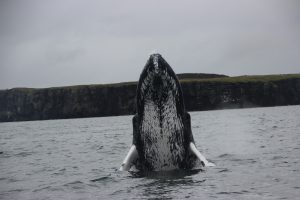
(257, 153)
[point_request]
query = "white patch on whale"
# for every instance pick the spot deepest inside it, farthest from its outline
(160, 147)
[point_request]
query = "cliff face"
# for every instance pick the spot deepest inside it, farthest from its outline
(23, 104)
(66, 102)
(223, 94)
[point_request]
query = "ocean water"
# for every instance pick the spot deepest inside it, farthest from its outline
(257, 153)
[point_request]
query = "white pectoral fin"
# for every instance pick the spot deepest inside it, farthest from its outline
(200, 156)
(130, 157)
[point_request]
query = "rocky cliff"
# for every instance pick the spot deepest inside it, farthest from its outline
(21, 104)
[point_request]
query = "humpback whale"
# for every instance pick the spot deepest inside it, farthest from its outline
(162, 135)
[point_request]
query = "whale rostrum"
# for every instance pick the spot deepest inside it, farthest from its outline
(162, 135)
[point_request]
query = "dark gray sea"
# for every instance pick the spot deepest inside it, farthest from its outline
(257, 153)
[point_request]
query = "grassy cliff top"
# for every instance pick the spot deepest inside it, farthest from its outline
(245, 79)
(199, 76)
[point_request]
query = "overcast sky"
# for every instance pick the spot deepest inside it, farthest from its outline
(59, 42)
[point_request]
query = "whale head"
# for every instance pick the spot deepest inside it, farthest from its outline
(160, 110)
(158, 84)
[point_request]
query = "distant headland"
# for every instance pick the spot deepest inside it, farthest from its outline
(200, 91)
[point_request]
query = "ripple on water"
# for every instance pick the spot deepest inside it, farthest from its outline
(24, 154)
(224, 170)
(103, 179)
(76, 186)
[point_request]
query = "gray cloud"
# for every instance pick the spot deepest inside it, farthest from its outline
(55, 43)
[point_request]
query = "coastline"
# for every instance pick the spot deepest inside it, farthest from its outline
(200, 93)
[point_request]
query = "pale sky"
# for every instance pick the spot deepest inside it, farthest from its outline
(68, 42)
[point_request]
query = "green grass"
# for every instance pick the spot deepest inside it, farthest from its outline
(77, 87)
(110, 85)
(25, 90)
(246, 79)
